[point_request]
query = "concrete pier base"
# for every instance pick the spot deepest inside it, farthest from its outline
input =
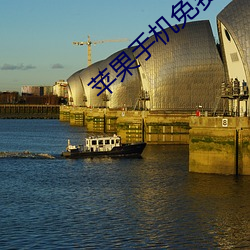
(219, 145)
(132, 126)
(64, 114)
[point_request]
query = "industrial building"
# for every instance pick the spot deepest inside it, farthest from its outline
(186, 73)
(234, 33)
(9, 97)
(53, 95)
(37, 90)
(60, 89)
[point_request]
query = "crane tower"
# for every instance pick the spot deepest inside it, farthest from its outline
(89, 43)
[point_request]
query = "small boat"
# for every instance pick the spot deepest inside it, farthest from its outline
(96, 146)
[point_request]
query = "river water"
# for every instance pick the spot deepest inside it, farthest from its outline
(150, 203)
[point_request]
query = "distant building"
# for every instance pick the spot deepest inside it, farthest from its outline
(9, 97)
(30, 90)
(40, 100)
(60, 89)
(39, 95)
(37, 90)
(47, 90)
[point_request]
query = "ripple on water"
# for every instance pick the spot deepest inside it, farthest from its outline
(148, 203)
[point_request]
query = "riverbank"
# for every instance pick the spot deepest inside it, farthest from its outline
(25, 111)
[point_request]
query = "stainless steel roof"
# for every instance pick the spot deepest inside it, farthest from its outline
(181, 75)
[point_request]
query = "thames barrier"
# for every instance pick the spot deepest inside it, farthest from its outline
(217, 145)
(132, 126)
(159, 98)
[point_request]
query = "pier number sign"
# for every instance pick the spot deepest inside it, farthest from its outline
(224, 123)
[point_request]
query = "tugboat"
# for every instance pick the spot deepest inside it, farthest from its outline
(96, 146)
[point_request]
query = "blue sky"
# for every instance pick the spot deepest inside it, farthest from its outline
(36, 35)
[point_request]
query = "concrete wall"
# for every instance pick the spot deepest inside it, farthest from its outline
(64, 114)
(132, 126)
(219, 145)
(167, 129)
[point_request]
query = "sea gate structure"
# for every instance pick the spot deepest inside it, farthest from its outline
(132, 126)
(217, 145)
(190, 76)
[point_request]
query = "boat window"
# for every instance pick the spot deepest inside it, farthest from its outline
(117, 141)
(94, 142)
(107, 142)
(100, 142)
(112, 141)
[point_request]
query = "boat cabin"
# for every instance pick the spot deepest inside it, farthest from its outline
(105, 143)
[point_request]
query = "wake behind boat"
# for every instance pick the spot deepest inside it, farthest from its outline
(96, 146)
(26, 154)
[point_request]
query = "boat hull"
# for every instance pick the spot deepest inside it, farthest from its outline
(126, 150)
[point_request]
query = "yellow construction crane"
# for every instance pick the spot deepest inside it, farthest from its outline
(89, 43)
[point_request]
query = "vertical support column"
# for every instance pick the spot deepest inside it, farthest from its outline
(236, 152)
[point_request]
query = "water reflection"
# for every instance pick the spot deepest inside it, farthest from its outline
(223, 202)
(174, 208)
(148, 203)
